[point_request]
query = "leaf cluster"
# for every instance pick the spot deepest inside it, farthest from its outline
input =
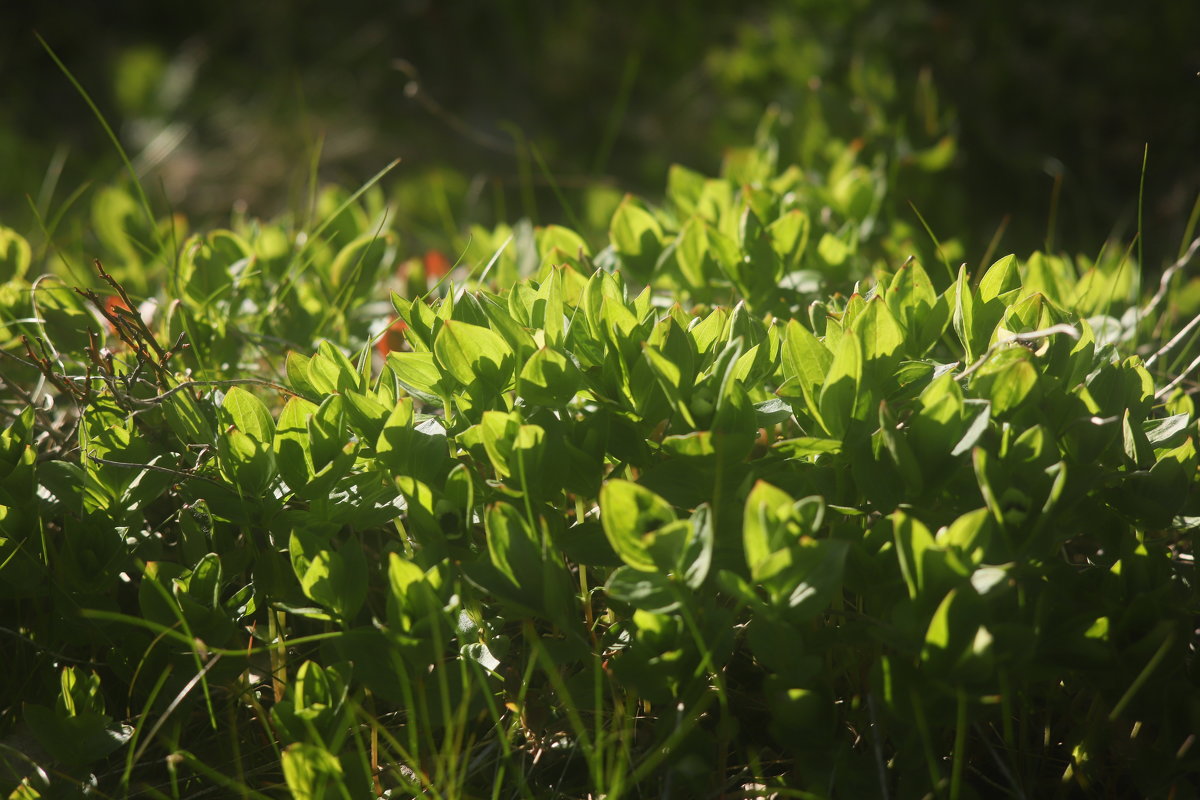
(654, 518)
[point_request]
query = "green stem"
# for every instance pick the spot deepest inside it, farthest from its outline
(960, 743)
(935, 775)
(1142, 677)
(591, 754)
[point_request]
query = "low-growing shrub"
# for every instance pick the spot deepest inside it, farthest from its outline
(666, 518)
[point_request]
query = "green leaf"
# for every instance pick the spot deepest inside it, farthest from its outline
(789, 237)
(1162, 432)
(735, 424)
(637, 237)
(208, 265)
(913, 541)
(500, 318)
(970, 535)
(985, 470)
(421, 321)
(327, 433)
(187, 420)
(806, 447)
(807, 361)
(631, 515)
(956, 645)
(602, 287)
(760, 267)
(1001, 277)
(725, 252)
(249, 415)
(937, 427)
(764, 531)
(78, 740)
(550, 303)
(65, 319)
(696, 556)
(937, 636)
(316, 690)
(691, 253)
(410, 598)
(206, 579)
(1053, 276)
(503, 439)
(332, 371)
(119, 223)
(882, 341)
(671, 380)
(421, 515)
(334, 579)
(832, 251)
(896, 444)
(800, 573)
(311, 772)
(365, 414)
(841, 397)
(1082, 355)
(1137, 444)
(248, 463)
(549, 378)
(684, 188)
(15, 255)
(998, 289)
(673, 342)
(414, 451)
(964, 314)
(709, 331)
(910, 295)
(923, 314)
(293, 455)
(474, 355)
(297, 372)
(512, 547)
(645, 591)
(1009, 379)
(772, 412)
(419, 375)
(975, 430)
(555, 244)
(738, 587)
(881, 336)
(361, 264)
(815, 577)
(856, 304)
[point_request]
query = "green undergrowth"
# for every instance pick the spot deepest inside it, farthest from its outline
(754, 496)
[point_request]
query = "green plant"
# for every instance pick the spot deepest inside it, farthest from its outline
(740, 502)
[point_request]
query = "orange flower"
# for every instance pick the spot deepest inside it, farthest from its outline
(436, 265)
(392, 339)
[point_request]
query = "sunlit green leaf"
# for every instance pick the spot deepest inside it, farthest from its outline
(474, 355)
(631, 516)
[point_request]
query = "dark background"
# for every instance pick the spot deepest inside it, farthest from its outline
(612, 93)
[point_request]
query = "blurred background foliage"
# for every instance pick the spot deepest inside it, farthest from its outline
(987, 115)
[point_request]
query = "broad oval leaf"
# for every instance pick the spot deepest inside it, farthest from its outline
(249, 415)
(1000, 277)
(549, 379)
(631, 515)
(474, 355)
(419, 375)
(637, 238)
(645, 591)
